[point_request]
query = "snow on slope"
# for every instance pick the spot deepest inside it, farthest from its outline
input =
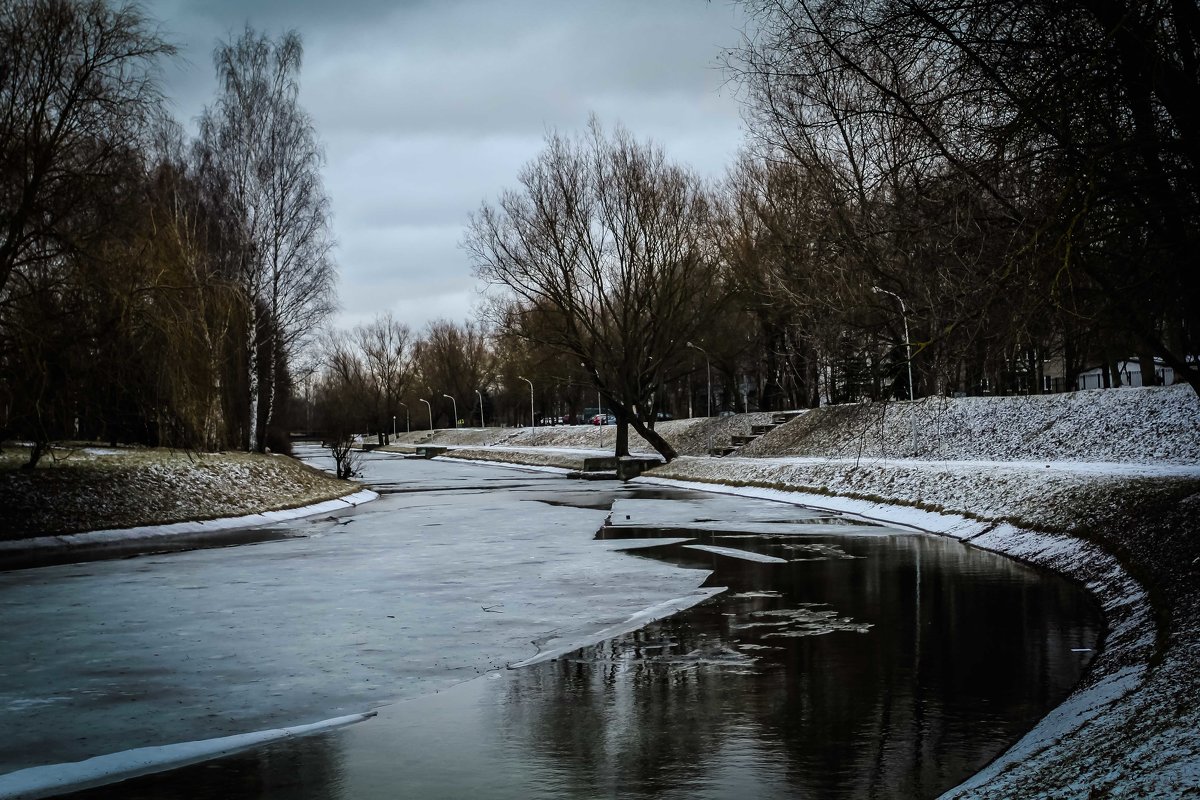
(1144, 425)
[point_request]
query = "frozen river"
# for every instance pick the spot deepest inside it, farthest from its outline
(817, 656)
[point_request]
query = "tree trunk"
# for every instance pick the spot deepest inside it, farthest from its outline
(252, 376)
(269, 413)
(622, 448)
(1149, 373)
(35, 452)
(661, 445)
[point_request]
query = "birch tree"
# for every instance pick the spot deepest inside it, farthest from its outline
(261, 153)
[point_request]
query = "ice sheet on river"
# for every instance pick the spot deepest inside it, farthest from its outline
(412, 593)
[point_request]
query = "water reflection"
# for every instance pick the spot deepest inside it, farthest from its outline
(895, 673)
(877, 664)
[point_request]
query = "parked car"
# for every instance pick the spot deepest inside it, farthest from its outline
(604, 419)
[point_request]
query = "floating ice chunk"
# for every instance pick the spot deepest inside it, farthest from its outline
(745, 555)
(807, 620)
(638, 544)
(638, 620)
(22, 703)
(52, 779)
(819, 552)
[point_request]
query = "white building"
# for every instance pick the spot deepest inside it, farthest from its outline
(1131, 375)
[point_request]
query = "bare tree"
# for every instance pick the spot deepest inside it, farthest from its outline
(386, 350)
(260, 150)
(1074, 123)
(77, 87)
(603, 254)
(455, 360)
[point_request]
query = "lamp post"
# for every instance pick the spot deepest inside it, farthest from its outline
(532, 418)
(407, 424)
(454, 403)
(482, 424)
(708, 367)
(393, 426)
(428, 408)
(908, 356)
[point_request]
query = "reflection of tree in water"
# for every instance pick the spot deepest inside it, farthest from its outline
(296, 769)
(622, 719)
(953, 667)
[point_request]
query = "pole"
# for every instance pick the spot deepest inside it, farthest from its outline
(482, 424)
(428, 408)
(532, 418)
(908, 355)
(454, 403)
(393, 426)
(708, 368)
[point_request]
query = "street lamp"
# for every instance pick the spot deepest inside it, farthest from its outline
(455, 404)
(708, 366)
(428, 408)
(393, 426)
(407, 425)
(908, 354)
(532, 418)
(482, 424)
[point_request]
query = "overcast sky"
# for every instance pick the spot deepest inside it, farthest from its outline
(427, 108)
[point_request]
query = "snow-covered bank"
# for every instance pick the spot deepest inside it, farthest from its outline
(1152, 425)
(176, 529)
(97, 489)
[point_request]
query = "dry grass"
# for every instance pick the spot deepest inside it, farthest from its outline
(92, 488)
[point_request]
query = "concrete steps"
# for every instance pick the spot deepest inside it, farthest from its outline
(738, 440)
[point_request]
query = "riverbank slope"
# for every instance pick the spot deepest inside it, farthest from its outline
(87, 488)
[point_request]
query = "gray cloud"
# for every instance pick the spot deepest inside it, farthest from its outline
(428, 108)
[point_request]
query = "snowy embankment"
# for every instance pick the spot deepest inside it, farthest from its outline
(188, 528)
(1102, 486)
(86, 496)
